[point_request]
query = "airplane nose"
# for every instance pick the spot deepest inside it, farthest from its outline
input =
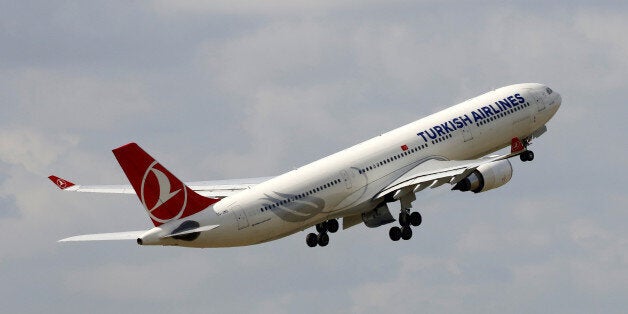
(555, 104)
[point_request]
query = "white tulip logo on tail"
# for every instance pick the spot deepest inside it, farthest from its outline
(167, 204)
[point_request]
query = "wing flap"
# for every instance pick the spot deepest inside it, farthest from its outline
(431, 173)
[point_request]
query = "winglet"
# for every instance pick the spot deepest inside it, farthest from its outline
(516, 146)
(61, 183)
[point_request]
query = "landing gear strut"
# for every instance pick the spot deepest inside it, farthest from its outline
(322, 238)
(407, 219)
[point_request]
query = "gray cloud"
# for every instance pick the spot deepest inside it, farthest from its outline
(8, 207)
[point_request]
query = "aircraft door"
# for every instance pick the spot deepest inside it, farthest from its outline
(346, 178)
(538, 99)
(541, 102)
(466, 134)
(240, 217)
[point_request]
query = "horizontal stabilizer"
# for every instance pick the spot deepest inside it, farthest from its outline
(126, 235)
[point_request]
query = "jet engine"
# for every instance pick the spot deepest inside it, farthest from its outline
(378, 216)
(486, 177)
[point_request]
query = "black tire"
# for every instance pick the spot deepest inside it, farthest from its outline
(527, 156)
(406, 233)
(395, 233)
(404, 219)
(311, 240)
(321, 227)
(530, 155)
(332, 225)
(323, 239)
(416, 219)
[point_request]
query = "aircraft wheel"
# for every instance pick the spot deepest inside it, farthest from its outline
(406, 233)
(404, 219)
(527, 156)
(530, 156)
(332, 225)
(415, 219)
(321, 227)
(311, 240)
(395, 233)
(323, 239)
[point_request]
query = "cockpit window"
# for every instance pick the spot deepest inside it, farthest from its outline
(549, 91)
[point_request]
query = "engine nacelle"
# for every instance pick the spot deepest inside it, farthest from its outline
(378, 216)
(486, 177)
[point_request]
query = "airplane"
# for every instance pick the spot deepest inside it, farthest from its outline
(452, 147)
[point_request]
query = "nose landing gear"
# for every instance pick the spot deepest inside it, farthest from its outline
(527, 156)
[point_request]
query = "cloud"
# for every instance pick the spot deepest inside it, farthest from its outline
(291, 53)
(32, 149)
(270, 8)
(60, 101)
(105, 280)
(8, 207)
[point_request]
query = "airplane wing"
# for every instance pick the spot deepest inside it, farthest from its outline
(216, 188)
(434, 173)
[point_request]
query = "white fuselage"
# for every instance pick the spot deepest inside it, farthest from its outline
(345, 183)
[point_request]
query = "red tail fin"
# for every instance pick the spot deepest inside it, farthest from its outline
(164, 197)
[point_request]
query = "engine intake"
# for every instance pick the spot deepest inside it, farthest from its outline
(486, 177)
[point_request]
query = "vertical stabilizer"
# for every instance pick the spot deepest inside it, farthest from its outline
(164, 197)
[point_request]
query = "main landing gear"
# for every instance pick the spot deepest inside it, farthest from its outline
(406, 221)
(322, 238)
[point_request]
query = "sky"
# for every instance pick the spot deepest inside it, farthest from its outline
(233, 89)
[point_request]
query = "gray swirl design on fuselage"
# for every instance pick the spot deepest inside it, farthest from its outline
(295, 209)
